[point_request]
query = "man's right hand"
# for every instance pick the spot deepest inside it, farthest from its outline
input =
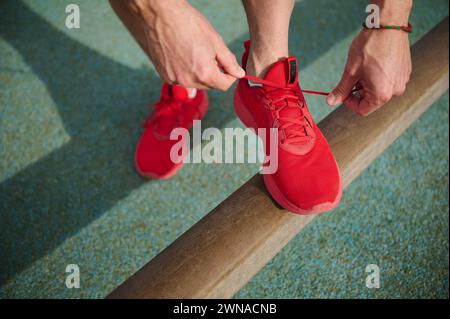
(181, 43)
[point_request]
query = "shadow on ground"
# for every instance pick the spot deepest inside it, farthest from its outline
(55, 197)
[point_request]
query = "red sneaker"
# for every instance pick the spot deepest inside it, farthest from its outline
(174, 109)
(307, 180)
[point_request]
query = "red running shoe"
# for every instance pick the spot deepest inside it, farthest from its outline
(174, 110)
(307, 180)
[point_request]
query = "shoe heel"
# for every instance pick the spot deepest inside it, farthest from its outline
(242, 112)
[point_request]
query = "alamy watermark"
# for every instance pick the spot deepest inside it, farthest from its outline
(73, 277)
(373, 19)
(228, 148)
(373, 279)
(73, 16)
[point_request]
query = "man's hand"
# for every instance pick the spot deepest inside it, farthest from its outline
(378, 65)
(181, 43)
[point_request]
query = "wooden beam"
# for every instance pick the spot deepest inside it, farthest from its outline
(225, 249)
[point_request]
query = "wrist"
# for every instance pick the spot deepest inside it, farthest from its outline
(394, 12)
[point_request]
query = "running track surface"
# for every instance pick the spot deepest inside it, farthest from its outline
(71, 105)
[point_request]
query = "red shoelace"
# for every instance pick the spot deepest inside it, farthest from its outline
(167, 113)
(289, 115)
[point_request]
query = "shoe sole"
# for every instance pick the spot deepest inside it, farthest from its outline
(171, 173)
(247, 119)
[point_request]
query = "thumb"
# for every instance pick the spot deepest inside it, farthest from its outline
(228, 62)
(343, 89)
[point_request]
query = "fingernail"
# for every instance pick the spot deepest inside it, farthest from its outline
(331, 100)
(241, 72)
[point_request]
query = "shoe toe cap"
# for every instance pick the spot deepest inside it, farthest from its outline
(307, 184)
(152, 158)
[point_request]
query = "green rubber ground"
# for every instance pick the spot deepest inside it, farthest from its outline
(71, 105)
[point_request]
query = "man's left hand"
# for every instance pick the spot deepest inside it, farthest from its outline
(378, 66)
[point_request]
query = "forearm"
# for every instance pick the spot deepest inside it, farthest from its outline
(143, 16)
(394, 12)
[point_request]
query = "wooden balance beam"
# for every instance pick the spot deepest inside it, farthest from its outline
(227, 247)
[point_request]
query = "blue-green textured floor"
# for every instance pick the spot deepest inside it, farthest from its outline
(71, 104)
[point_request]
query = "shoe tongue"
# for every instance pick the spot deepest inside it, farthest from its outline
(283, 72)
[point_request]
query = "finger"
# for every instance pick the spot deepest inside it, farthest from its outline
(359, 87)
(228, 62)
(191, 84)
(400, 86)
(353, 102)
(366, 107)
(198, 86)
(343, 89)
(360, 103)
(222, 81)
